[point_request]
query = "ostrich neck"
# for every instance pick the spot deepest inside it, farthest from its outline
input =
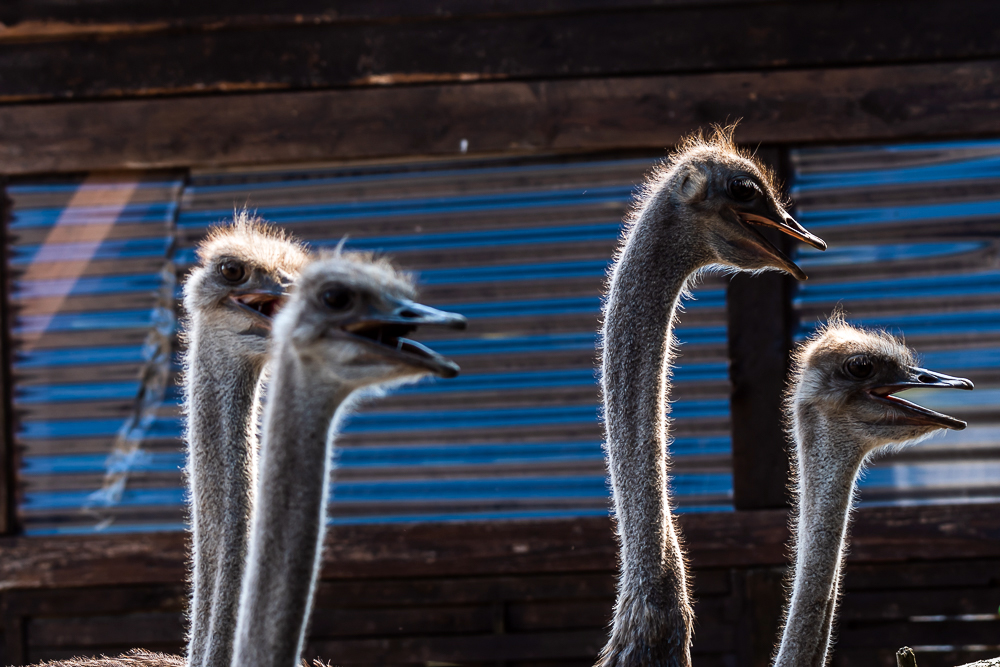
(645, 287)
(825, 493)
(289, 518)
(221, 400)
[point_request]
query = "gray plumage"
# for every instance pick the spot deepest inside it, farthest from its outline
(841, 410)
(697, 211)
(338, 337)
(226, 330)
(228, 298)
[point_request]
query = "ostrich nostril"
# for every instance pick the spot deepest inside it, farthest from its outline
(923, 377)
(409, 314)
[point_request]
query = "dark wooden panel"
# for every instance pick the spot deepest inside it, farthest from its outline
(720, 540)
(625, 41)
(894, 603)
(84, 13)
(762, 602)
(489, 647)
(552, 619)
(141, 629)
(760, 324)
(868, 103)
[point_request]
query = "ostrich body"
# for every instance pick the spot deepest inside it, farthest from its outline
(339, 335)
(242, 276)
(841, 410)
(699, 210)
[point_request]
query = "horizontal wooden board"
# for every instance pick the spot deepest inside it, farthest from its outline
(127, 14)
(847, 104)
(271, 53)
(521, 547)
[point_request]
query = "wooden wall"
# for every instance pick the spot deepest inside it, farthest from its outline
(118, 84)
(104, 84)
(527, 593)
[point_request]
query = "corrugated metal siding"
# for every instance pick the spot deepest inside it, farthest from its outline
(914, 234)
(521, 248)
(92, 328)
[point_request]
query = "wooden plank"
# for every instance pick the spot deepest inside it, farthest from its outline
(872, 103)
(273, 55)
(760, 324)
(441, 620)
(125, 14)
(895, 604)
(721, 540)
(490, 647)
(762, 597)
(138, 629)
(947, 574)
(377, 593)
(905, 633)
(92, 561)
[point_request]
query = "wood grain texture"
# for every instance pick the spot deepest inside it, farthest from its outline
(790, 106)
(533, 619)
(760, 324)
(740, 539)
(187, 12)
(289, 52)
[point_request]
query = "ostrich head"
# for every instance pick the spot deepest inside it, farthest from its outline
(242, 278)
(723, 197)
(848, 378)
(350, 316)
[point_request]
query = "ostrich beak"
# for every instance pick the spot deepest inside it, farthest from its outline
(260, 303)
(763, 212)
(384, 327)
(915, 414)
(404, 311)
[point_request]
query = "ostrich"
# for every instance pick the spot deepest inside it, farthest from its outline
(842, 409)
(340, 335)
(243, 273)
(702, 208)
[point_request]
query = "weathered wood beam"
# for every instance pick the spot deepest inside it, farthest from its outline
(792, 106)
(187, 12)
(286, 52)
(41, 17)
(760, 323)
(721, 540)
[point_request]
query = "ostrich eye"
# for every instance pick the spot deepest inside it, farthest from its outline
(860, 366)
(338, 299)
(232, 271)
(743, 189)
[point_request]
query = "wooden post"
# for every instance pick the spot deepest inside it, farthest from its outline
(760, 322)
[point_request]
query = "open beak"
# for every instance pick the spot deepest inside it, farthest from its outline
(387, 327)
(918, 415)
(260, 304)
(767, 214)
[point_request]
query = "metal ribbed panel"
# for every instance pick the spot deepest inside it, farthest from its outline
(914, 234)
(519, 248)
(522, 250)
(92, 328)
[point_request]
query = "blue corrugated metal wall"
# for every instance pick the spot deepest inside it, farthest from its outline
(914, 233)
(521, 249)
